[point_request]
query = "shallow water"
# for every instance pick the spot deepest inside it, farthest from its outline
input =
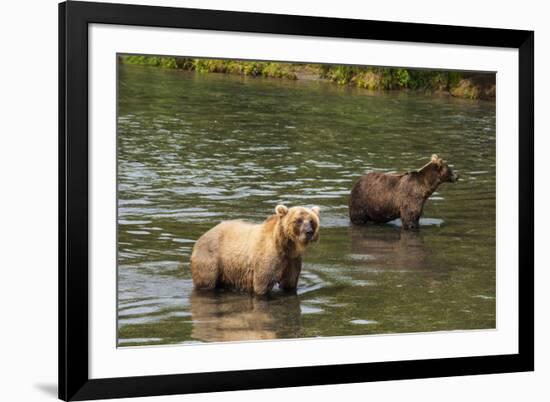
(197, 149)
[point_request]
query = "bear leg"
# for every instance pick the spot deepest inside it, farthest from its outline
(358, 217)
(412, 225)
(289, 279)
(263, 283)
(410, 218)
(204, 271)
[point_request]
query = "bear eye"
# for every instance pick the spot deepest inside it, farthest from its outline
(299, 221)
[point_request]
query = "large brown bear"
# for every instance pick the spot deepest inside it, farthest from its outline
(382, 197)
(254, 257)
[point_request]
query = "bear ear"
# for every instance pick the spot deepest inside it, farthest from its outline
(316, 210)
(281, 210)
(437, 160)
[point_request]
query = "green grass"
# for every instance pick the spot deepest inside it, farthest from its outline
(457, 84)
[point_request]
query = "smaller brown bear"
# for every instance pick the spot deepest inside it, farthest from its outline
(382, 197)
(254, 257)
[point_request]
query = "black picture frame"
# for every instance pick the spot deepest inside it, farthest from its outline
(74, 18)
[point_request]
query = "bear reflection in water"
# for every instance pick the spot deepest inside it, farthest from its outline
(387, 248)
(225, 316)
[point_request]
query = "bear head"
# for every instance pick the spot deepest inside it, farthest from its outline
(445, 173)
(300, 225)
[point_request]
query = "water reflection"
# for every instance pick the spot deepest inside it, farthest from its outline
(221, 316)
(388, 248)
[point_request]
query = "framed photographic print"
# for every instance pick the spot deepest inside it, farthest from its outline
(257, 200)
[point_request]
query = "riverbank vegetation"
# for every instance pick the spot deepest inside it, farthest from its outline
(459, 84)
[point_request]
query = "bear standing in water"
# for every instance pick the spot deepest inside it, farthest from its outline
(254, 257)
(382, 197)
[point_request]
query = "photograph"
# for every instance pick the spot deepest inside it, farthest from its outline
(270, 200)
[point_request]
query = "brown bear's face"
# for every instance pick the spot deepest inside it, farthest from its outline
(446, 174)
(301, 224)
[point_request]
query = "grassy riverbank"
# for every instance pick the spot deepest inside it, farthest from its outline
(459, 84)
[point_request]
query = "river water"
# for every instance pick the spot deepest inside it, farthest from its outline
(195, 149)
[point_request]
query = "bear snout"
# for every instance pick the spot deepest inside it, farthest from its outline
(308, 231)
(454, 177)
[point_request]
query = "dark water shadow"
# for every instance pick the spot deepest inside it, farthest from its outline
(225, 316)
(48, 389)
(389, 248)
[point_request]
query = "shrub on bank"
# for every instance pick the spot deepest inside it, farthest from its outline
(464, 85)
